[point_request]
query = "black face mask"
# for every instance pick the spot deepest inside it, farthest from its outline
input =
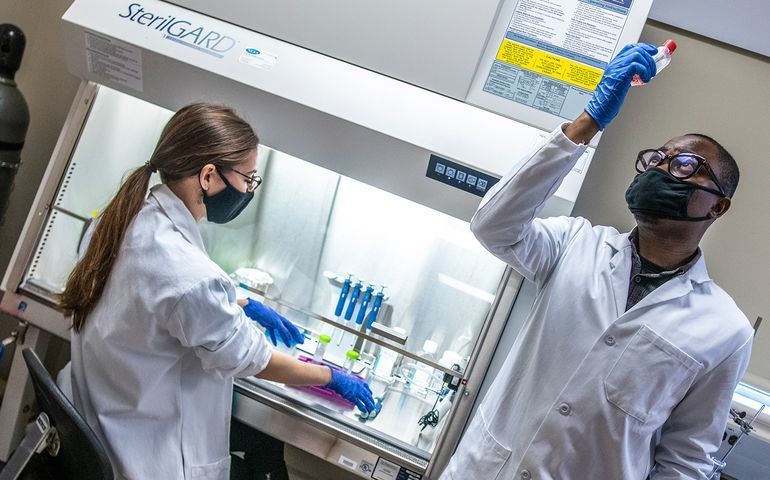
(659, 194)
(227, 204)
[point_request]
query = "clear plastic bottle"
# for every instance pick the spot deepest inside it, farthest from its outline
(662, 59)
(383, 364)
(418, 375)
(320, 349)
(387, 360)
(429, 349)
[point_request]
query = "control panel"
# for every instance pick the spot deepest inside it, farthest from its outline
(460, 176)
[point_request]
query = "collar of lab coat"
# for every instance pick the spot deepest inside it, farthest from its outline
(620, 265)
(177, 212)
(620, 242)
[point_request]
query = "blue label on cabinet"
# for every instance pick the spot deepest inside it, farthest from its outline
(460, 176)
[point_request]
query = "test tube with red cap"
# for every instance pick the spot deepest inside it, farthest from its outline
(662, 59)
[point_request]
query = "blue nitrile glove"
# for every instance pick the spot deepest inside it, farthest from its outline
(365, 416)
(633, 59)
(352, 389)
(273, 322)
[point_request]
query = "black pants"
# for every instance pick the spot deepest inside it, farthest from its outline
(255, 455)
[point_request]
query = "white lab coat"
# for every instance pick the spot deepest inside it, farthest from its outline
(152, 369)
(590, 391)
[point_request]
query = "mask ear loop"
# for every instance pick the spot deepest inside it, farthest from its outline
(719, 194)
(686, 217)
(224, 179)
(203, 191)
(708, 215)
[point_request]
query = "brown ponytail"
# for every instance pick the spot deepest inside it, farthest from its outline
(86, 281)
(197, 135)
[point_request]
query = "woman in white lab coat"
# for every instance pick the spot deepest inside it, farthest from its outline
(158, 334)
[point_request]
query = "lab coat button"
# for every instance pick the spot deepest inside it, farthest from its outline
(526, 475)
(609, 340)
(565, 409)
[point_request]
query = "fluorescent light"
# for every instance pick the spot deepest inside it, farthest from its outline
(465, 288)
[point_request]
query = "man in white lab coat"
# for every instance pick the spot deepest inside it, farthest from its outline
(626, 365)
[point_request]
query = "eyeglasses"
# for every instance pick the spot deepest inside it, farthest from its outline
(680, 165)
(252, 181)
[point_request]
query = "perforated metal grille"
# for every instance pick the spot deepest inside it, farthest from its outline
(33, 269)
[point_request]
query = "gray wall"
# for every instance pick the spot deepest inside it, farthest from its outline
(721, 91)
(49, 90)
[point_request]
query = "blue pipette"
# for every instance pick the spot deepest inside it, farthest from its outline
(375, 307)
(364, 304)
(353, 299)
(343, 295)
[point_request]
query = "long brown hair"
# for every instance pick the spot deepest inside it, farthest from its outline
(197, 135)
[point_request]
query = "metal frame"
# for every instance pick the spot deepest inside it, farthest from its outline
(40, 435)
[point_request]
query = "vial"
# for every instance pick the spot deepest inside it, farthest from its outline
(320, 349)
(662, 59)
(350, 360)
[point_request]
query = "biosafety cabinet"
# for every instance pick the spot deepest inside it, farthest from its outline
(372, 171)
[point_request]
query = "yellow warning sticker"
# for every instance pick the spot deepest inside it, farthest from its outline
(550, 65)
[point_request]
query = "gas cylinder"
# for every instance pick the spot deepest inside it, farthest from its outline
(14, 114)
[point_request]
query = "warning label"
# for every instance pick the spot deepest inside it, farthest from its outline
(550, 65)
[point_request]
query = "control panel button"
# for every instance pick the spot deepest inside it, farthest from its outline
(459, 176)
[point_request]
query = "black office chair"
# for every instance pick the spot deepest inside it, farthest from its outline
(73, 452)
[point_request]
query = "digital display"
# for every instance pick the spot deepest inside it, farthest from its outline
(460, 176)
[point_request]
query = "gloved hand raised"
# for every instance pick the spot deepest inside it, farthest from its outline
(353, 389)
(273, 322)
(633, 59)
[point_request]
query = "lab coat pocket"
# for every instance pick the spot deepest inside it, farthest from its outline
(219, 470)
(479, 455)
(650, 377)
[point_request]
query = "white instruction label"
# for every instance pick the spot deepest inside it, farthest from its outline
(114, 61)
(258, 58)
(385, 470)
(345, 461)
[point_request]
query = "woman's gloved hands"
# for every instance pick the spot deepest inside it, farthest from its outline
(633, 59)
(272, 323)
(353, 389)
